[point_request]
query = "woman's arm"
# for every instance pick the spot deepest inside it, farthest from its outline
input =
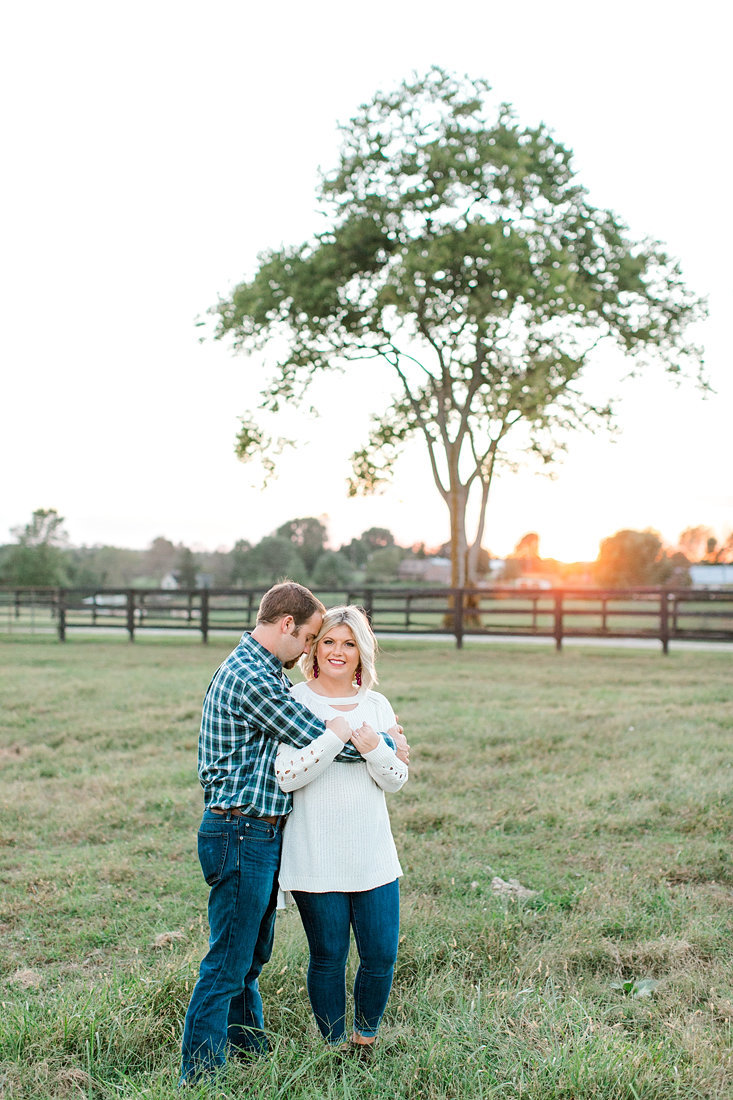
(385, 768)
(296, 767)
(383, 764)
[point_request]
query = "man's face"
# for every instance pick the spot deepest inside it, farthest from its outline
(299, 639)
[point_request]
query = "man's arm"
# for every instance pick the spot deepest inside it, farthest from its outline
(273, 709)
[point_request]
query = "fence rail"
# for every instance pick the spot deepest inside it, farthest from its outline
(560, 613)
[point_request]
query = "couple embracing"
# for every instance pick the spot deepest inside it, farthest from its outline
(294, 782)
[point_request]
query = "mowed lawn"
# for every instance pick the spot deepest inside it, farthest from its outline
(599, 780)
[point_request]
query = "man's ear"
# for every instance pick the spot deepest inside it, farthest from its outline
(287, 623)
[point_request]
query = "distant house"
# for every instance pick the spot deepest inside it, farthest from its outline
(172, 581)
(429, 570)
(496, 568)
(533, 580)
(438, 571)
(711, 576)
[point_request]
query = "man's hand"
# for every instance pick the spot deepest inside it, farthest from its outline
(340, 727)
(402, 749)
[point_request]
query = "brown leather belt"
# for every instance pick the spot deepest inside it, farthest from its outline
(236, 812)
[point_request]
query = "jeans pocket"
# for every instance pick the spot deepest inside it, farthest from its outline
(260, 830)
(213, 848)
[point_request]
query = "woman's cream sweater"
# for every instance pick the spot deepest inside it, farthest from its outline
(338, 835)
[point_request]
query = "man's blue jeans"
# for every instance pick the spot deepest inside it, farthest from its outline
(240, 857)
(327, 918)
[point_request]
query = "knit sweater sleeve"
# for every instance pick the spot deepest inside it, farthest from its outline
(385, 768)
(383, 764)
(296, 767)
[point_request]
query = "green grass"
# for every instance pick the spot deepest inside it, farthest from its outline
(601, 780)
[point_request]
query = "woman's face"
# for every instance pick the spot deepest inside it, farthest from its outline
(338, 655)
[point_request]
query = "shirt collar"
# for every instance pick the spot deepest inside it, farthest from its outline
(259, 652)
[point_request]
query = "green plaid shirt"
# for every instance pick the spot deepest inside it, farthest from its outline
(248, 708)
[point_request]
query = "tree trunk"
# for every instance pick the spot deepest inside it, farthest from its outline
(475, 547)
(458, 543)
(457, 499)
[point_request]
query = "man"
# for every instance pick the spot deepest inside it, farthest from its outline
(247, 710)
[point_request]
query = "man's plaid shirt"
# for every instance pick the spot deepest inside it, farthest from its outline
(248, 708)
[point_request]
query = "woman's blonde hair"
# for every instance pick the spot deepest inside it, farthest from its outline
(366, 643)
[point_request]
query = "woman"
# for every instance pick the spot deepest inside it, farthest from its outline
(339, 859)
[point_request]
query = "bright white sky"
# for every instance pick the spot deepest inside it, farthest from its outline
(152, 148)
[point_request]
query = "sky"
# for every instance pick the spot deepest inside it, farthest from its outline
(152, 149)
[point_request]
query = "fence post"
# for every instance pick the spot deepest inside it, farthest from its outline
(368, 609)
(61, 609)
(664, 621)
(204, 615)
(131, 613)
(558, 621)
(458, 616)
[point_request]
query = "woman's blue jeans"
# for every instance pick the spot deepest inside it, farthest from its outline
(327, 918)
(239, 857)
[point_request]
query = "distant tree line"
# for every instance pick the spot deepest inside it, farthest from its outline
(627, 559)
(41, 555)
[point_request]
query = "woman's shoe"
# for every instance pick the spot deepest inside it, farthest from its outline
(337, 1049)
(363, 1051)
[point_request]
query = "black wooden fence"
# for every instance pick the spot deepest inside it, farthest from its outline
(558, 613)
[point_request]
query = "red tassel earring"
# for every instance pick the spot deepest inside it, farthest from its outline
(358, 675)
(315, 668)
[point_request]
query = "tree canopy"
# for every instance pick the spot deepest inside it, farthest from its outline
(308, 535)
(700, 544)
(38, 557)
(631, 558)
(459, 249)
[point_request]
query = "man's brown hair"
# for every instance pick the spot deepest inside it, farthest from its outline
(288, 598)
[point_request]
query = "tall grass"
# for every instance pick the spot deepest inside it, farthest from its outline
(599, 780)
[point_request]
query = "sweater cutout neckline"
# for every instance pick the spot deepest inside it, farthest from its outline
(333, 701)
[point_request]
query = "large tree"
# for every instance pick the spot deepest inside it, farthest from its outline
(461, 251)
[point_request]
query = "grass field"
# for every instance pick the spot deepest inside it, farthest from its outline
(599, 779)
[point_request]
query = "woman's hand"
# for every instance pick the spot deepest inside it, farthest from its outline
(364, 738)
(340, 727)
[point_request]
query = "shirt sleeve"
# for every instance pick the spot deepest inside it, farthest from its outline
(296, 768)
(283, 718)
